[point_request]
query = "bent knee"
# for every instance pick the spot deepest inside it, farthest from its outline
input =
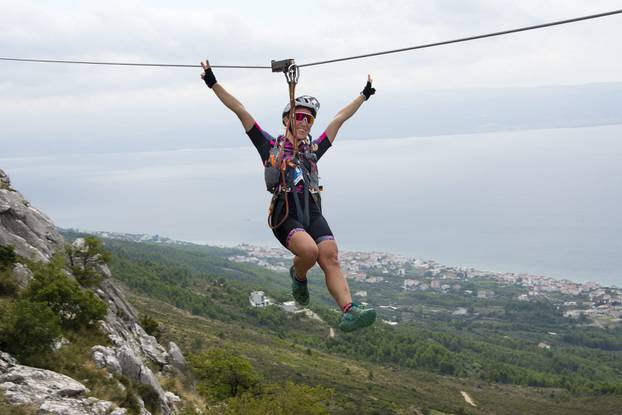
(309, 252)
(329, 258)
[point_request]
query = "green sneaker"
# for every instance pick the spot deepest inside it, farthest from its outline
(300, 291)
(357, 318)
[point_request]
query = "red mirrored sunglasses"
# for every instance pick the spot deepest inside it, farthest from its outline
(299, 116)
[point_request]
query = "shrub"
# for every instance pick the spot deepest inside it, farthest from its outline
(27, 330)
(8, 285)
(150, 397)
(130, 402)
(85, 261)
(133, 391)
(87, 277)
(221, 375)
(75, 307)
(282, 400)
(151, 326)
(7, 257)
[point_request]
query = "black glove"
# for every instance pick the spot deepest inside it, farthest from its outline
(209, 77)
(368, 91)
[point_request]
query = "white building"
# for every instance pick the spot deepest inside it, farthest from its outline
(259, 299)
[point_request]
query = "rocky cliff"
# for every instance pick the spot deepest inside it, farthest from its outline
(28, 230)
(132, 352)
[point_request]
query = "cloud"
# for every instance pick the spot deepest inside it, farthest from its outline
(89, 103)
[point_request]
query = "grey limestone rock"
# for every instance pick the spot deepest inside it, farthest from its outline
(60, 343)
(32, 382)
(172, 398)
(176, 357)
(6, 362)
(105, 357)
(123, 327)
(5, 181)
(131, 365)
(27, 229)
(49, 392)
(105, 271)
(22, 275)
(151, 347)
(130, 344)
(76, 407)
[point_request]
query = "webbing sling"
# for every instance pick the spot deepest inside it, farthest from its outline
(302, 213)
(307, 178)
(292, 74)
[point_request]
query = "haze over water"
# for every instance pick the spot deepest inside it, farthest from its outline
(545, 202)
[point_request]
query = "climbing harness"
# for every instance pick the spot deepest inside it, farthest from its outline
(281, 171)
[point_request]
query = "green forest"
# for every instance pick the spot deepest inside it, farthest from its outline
(584, 359)
(495, 344)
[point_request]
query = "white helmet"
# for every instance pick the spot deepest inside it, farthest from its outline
(305, 101)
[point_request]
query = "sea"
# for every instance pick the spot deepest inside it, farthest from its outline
(544, 202)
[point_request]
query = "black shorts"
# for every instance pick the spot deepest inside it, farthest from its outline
(318, 228)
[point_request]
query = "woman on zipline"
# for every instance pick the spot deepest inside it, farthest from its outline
(295, 216)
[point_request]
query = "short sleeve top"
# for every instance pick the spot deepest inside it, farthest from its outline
(264, 142)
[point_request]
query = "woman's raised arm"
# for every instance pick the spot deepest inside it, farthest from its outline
(349, 110)
(226, 98)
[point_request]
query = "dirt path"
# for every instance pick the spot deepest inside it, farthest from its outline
(468, 398)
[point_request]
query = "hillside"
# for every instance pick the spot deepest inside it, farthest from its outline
(425, 362)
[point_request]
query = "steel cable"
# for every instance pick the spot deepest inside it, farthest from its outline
(428, 45)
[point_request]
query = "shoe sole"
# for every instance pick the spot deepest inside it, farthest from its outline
(366, 320)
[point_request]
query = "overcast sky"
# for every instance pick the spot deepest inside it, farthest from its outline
(48, 108)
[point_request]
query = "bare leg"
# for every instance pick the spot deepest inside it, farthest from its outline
(305, 252)
(335, 280)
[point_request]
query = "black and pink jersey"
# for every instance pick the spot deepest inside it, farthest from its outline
(264, 142)
(316, 227)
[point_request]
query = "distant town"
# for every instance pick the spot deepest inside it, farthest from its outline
(589, 299)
